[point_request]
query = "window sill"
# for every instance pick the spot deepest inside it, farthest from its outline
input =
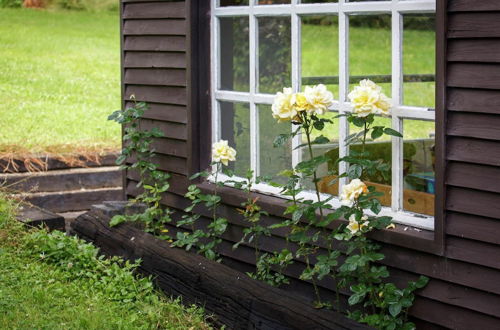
(403, 235)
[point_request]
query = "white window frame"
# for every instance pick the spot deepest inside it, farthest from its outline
(396, 8)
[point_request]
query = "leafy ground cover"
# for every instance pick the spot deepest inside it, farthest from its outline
(52, 281)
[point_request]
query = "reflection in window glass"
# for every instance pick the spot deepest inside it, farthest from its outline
(274, 54)
(234, 61)
(419, 60)
(370, 50)
(419, 166)
(328, 172)
(318, 1)
(380, 150)
(273, 2)
(320, 51)
(235, 128)
(224, 3)
(273, 160)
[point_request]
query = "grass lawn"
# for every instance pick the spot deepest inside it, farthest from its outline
(59, 80)
(51, 281)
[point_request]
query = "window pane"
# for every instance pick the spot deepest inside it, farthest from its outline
(273, 160)
(379, 150)
(327, 173)
(234, 59)
(318, 1)
(235, 128)
(320, 51)
(419, 60)
(370, 50)
(418, 168)
(273, 2)
(274, 54)
(224, 3)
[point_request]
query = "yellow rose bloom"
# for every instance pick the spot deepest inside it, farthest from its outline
(367, 98)
(354, 226)
(319, 99)
(300, 102)
(352, 191)
(222, 152)
(283, 108)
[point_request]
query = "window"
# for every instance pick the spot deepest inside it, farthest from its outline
(261, 46)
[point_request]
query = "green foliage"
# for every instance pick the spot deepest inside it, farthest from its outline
(52, 281)
(138, 144)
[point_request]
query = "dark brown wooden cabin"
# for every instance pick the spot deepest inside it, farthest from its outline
(166, 62)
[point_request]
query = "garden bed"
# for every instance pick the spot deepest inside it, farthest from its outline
(238, 301)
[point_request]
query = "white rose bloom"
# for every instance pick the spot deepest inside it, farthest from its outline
(222, 152)
(354, 226)
(352, 191)
(319, 98)
(367, 98)
(283, 106)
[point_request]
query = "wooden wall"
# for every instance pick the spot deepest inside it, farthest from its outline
(165, 63)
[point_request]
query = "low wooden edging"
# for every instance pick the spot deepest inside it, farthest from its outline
(238, 301)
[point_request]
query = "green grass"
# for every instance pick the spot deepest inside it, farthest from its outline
(46, 285)
(59, 79)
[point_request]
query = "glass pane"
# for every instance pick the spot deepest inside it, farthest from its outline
(418, 168)
(234, 63)
(273, 160)
(224, 3)
(318, 1)
(328, 172)
(370, 50)
(274, 54)
(320, 52)
(235, 128)
(273, 2)
(379, 150)
(419, 60)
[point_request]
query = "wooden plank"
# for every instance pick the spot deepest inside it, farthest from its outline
(170, 130)
(449, 270)
(469, 75)
(468, 5)
(473, 176)
(171, 147)
(473, 227)
(76, 200)
(155, 10)
(155, 27)
(473, 50)
(155, 43)
(52, 162)
(219, 288)
(473, 150)
(154, 60)
(475, 125)
(451, 317)
(161, 77)
(473, 25)
(167, 163)
(164, 112)
(63, 180)
(473, 251)
(473, 100)
(474, 202)
(170, 95)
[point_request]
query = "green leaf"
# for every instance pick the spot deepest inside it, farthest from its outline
(377, 132)
(116, 220)
(355, 171)
(390, 131)
(395, 309)
(319, 125)
(321, 140)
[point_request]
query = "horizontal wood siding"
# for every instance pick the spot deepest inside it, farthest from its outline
(154, 70)
(161, 68)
